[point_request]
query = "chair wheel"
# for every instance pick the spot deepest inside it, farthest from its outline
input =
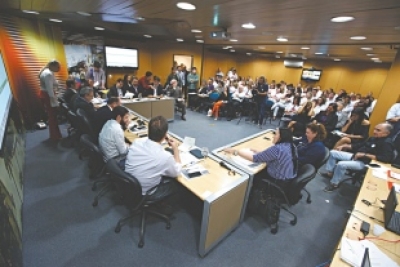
(117, 229)
(95, 203)
(141, 244)
(168, 226)
(308, 201)
(274, 230)
(293, 222)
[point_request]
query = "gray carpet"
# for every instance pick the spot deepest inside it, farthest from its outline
(61, 228)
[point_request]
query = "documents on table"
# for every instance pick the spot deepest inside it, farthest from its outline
(196, 169)
(187, 144)
(352, 252)
(244, 162)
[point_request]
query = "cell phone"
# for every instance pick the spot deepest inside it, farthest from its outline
(373, 165)
(194, 174)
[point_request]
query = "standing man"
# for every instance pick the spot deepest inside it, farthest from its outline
(176, 92)
(112, 139)
(172, 76)
(378, 147)
(145, 83)
(96, 73)
(261, 92)
(193, 80)
(48, 97)
(150, 163)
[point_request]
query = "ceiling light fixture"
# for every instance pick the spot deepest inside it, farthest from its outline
(233, 40)
(366, 48)
(99, 28)
(83, 13)
(279, 52)
(375, 58)
(261, 47)
(319, 53)
(378, 61)
(232, 50)
(30, 12)
(179, 40)
(55, 20)
(227, 47)
(282, 39)
(336, 59)
(195, 30)
(185, 6)
(249, 54)
(370, 55)
(200, 41)
(342, 19)
(147, 36)
(358, 38)
(140, 18)
(248, 26)
(305, 48)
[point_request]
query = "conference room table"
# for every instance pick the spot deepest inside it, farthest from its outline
(374, 190)
(222, 193)
(152, 107)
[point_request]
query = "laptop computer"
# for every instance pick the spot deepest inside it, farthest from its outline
(366, 261)
(392, 217)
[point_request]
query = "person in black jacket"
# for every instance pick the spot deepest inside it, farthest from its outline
(69, 92)
(117, 90)
(84, 102)
(328, 118)
(127, 83)
(103, 114)
(379, 147)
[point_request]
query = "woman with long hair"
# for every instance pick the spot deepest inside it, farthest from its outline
(311, 148)
(48, 97)
(302, 118)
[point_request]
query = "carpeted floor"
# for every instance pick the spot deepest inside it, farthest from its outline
(61, 228)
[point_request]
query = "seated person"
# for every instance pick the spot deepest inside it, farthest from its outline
(302, 118)
(117, 90)
(203, 94)
(145, 83)
(84, 101)
(69, 92)
(221, 101)
(310, 148)
(158, 90)
(292, 108)
(379, 147)
(176, 92)
(342, 116)
(237, 98)
(148, 162)
(134, 89)
(281, 101)
(328, 117)
(112, 139)
(356, 129)
(281, 158)
(103, 114)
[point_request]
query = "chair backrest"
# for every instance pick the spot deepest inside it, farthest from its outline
(128, 187)
(305, 174)
(73, 119)
(323, 160)
(96, 157)
(85, 125)
(88, 143)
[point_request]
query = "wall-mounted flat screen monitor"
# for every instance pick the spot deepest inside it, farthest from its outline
(5, 99)
(122, 57)
(311, 75)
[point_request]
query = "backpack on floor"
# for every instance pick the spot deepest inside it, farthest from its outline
(264, 204)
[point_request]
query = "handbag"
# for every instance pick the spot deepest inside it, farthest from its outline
(263, 204)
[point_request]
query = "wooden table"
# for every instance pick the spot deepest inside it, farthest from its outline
(373, 189)
(223, 197)
(151, 107)
(256, 141)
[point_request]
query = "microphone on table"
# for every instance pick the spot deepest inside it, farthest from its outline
(223, 165)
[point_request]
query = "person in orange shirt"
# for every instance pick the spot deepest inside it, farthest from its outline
(145, 83)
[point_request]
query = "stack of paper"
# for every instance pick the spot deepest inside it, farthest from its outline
(187, 144)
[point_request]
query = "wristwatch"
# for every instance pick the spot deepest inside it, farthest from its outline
(235, 152)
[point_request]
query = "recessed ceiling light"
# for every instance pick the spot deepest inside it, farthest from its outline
(305, 48)
(375, 58)
(232, 50)
(282, 39)
(200, 41)
(147, 36)
(370, 55)
(358, 38)
(279, 52)
(336, 59)
(342, 19)
(366, 48)
(261, 47)
(185, 6)
(319, 53)
(248, 26)
(83, 13)
(30, 12)
(277, 56)
(179, 40)
(140, 18)
(99, 28)
(196, 31)
(233, 40)
(249, 54)
(55, 20)
(227, 47)
(378, 61)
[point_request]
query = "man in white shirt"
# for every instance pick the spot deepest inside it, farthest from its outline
(112, 139)
(148, 162)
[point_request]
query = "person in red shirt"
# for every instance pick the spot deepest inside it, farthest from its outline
(144, 83)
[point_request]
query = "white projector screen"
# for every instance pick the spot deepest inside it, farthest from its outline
(5, 99)
(122, 57)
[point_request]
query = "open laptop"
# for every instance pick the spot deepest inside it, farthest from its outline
(366, 261)
(392, 217)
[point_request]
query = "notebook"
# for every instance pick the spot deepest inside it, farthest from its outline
(392, 217)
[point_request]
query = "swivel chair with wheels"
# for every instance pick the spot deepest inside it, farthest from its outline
(130, 193)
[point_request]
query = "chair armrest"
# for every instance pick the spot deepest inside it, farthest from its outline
(280, 190)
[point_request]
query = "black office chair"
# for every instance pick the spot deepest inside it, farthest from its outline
(317, 166)
(130, 193)
(291, 195)
(85, 126)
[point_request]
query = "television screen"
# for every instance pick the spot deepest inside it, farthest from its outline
(311, 75)
(121, 57)
(5, 99)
